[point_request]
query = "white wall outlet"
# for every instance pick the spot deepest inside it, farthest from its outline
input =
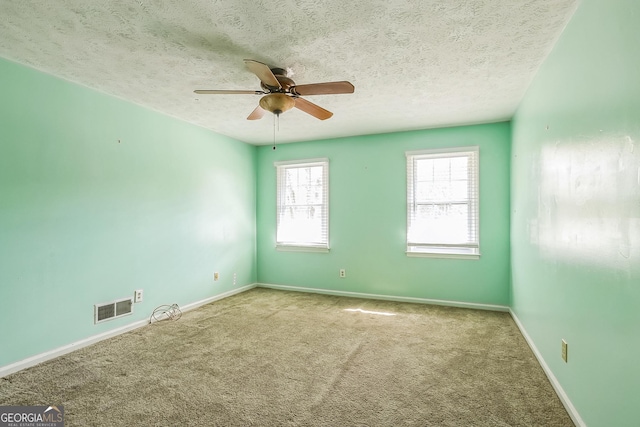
(565, 350)
(216, 276)
(343, 273)
(137, 296)
(235, 278)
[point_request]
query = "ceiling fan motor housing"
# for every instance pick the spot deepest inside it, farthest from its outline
(285, 82)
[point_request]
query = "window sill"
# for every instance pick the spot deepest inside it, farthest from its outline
(299, 248)
(441, 255)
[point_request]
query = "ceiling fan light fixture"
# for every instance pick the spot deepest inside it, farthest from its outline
(277, 103)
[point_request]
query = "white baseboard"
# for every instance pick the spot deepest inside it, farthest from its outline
(223, 295)
(56, 352)
(460, 304)
(52, 354)
(573, 413)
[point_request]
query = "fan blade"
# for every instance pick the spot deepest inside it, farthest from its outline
(263, 72)
(257, 113)
(328, 88)
(229, 92)
(313, 109)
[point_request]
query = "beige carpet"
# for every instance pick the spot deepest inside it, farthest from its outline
(274, 358)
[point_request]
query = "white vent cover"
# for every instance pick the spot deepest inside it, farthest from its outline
(112, 310)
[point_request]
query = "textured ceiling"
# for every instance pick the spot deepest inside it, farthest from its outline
(415, 64)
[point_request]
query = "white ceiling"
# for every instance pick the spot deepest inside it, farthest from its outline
(415, 64)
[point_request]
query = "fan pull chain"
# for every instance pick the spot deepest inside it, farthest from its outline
(276, 124)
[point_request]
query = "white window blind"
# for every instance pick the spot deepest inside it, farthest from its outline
(442, 202)
(303, 204)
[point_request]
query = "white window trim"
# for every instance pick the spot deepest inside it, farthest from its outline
(283, 247)
(414, 254)
(441, 250)
(300, 247)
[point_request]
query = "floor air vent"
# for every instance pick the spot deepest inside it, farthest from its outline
(113, 309)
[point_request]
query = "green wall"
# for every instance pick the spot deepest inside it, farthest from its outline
(367, 176)
(99, 197)
(576, 211)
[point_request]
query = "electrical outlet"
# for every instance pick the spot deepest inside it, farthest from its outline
(343, 273)
(235, 277)
(216, 276)
(565, 350)
(137, 296)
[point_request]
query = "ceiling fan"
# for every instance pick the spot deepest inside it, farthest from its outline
(281, 94)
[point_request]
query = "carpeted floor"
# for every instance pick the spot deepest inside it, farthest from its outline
(274, 358)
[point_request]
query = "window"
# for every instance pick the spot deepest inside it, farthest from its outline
(442, 203)
(303, 205)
